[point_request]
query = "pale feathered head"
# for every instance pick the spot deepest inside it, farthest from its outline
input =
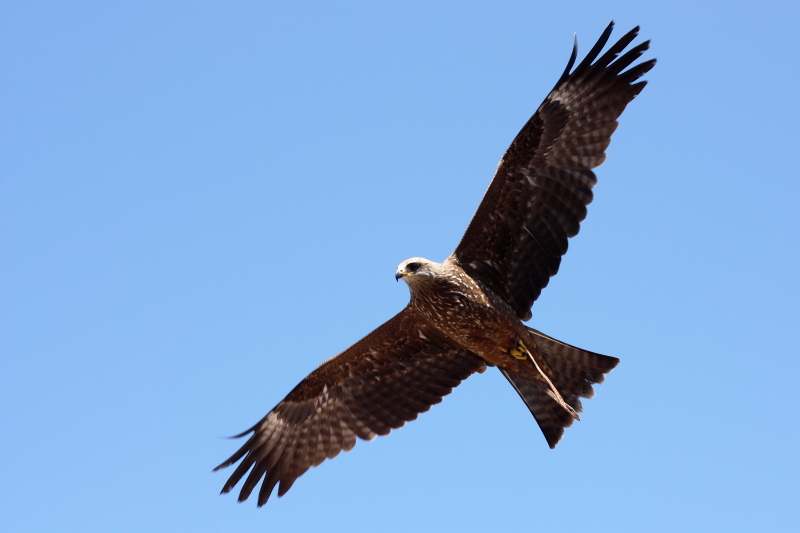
(416, 270)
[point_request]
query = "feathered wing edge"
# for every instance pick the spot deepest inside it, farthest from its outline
(385, 380)
(538, 197)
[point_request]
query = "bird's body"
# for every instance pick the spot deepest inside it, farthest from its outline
(458, 306)
(467, 312)
(448, 299)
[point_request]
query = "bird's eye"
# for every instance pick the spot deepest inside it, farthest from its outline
(412, 267)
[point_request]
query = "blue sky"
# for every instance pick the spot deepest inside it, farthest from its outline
(201, 202)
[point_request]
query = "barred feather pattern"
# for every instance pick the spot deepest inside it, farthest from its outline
(385, 380)
(576, 370)
(538, 196)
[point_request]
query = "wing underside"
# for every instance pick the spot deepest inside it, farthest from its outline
(544, 182)
(385, 380)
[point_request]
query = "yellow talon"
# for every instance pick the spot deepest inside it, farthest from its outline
(520, 351)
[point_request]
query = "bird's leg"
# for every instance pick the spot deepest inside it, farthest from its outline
(520, 351)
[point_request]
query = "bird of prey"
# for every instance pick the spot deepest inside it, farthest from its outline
(467, 312)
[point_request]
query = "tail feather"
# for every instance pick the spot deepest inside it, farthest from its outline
(551, 417)
(576, 370)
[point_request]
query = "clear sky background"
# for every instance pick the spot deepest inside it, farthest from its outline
(201, 202)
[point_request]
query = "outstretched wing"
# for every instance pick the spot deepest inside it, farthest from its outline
(385, 380)
(539, 194)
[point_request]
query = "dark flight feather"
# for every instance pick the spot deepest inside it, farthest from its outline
(539, 194)
(385, 380)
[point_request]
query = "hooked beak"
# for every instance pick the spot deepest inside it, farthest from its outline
(398, 275)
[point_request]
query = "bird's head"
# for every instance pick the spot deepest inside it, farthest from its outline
(416, 270)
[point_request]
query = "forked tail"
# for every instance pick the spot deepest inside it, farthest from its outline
(575, 371)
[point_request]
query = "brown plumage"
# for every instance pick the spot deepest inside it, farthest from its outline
(467, 312)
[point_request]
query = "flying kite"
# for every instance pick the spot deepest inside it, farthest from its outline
(467, 312)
